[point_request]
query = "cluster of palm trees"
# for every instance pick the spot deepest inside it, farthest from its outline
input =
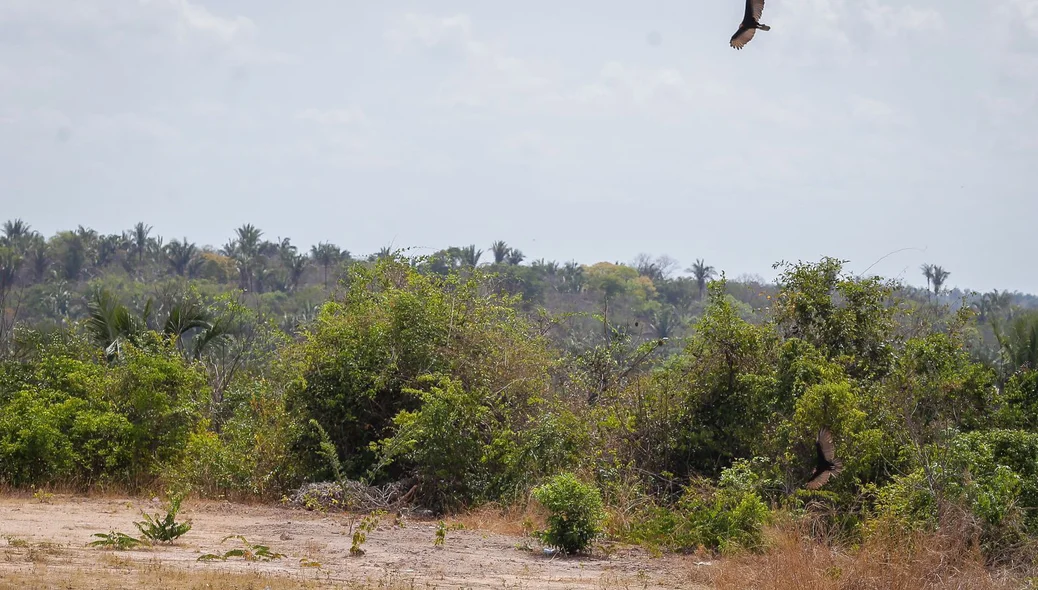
(83, 253)
(935, 276)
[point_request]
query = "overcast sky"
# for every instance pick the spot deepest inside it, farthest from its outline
(584, 129)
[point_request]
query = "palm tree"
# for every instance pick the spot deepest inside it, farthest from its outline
(190, 326)
(928, 273)
(180, 255)
(107, 249)
(248, 239)
(73, 255)
(16, 233)
(325, 255)
(500, 251)
(573, 279)
(139, 241)
(939, 276)
(247, 249)
(295, 266)
(515, 256)
(702, 273)
(469, 255)
(665, 322)
(39, 262)
(1019, 344)
(999, 302)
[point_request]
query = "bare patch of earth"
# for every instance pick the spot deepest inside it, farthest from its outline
(44, 545)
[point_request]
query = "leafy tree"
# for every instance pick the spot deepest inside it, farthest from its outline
(369, 349)
(850, 319)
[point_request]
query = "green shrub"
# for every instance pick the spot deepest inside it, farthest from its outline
(367, 351)
(731, 516)
(164, 529)
(576, 513)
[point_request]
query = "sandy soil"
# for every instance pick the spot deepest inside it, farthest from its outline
(43, 544)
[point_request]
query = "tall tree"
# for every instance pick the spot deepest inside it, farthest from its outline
(180, 255)
(247, 251)
(16, 233)
(139, 241)
(295, 267)
(939, 276)
(515, 256)
(325, 255)
(500, 251)
(928, 273)
(470, 255)
(702, 273)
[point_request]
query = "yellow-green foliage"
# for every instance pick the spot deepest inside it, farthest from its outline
(369, 349)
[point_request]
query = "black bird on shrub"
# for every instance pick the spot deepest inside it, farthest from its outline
(750, 24)
(826, 464)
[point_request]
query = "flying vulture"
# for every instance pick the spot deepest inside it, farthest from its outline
(826, 466)
(750, 24)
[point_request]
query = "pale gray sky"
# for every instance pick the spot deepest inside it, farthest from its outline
(584, 129)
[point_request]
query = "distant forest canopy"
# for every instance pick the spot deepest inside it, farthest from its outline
(51, 281)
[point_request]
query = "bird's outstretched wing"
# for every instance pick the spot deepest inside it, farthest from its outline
(826, 465)
(826, 452)
(742, 37)
(819, 480)
(755, 8)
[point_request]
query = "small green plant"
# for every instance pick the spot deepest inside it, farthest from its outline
(115, 540)
(41, 496)
(360, 533)
(576, 513)
(164, 529)
(248, 552)
(441, 532)
(16, 542)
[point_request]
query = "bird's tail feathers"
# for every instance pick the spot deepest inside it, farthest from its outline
(764, 28)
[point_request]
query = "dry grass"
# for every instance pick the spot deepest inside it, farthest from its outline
(512, 520)
(796, 560)
(130, 576)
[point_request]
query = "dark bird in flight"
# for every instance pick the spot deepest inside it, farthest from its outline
(750, 24)
(826, 465)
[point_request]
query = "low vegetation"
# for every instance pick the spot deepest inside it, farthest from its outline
(624, 403)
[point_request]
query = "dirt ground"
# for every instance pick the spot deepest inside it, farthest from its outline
(43, 544)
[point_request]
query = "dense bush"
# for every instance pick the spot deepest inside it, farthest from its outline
(576, 513)
(82, 420)
(366, 353)
(727, 517)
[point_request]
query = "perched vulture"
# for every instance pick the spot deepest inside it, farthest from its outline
(826, 465)
(750, 24)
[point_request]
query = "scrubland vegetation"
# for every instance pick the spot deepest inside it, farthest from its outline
(675, 413)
